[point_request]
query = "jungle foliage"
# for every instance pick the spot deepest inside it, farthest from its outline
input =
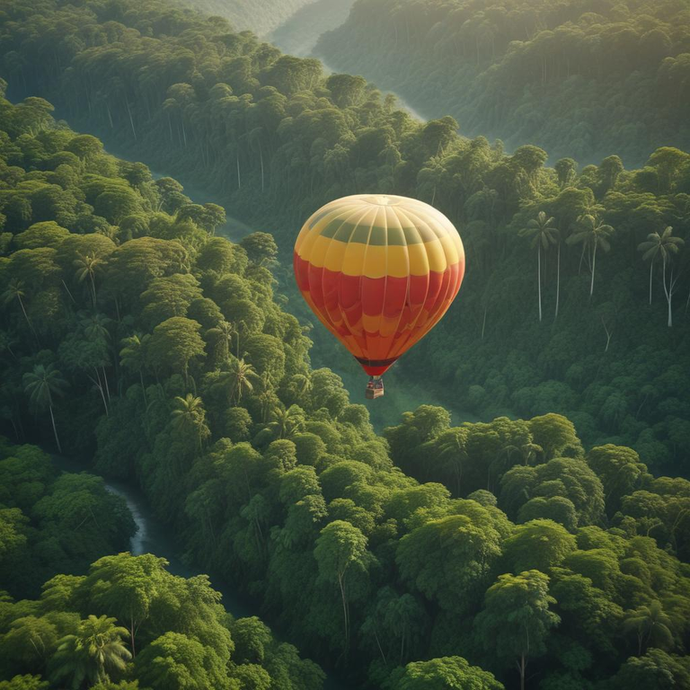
(128, 624)
(160, 348)
(52, 522)
(575, 323)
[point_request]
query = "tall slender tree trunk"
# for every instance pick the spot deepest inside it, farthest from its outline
(558, 280)
(523, 666)
(131, 120)
(668, 290)
(99, 385)
(52, 419)
(378, 642)
(26, 316)
(107, 387)
(143, 387)
(594, 268)
(341, 584)
(131, 636)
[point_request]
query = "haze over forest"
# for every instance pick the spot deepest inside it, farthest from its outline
(513, 514)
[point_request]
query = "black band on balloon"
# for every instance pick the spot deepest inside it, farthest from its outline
(375, 362)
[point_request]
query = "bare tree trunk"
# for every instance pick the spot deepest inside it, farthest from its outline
(26, 316)
(99, 386)
(131, 120)
(143, 387)
(668, 290)
(107, 387)
(131, 636)
(342, 595)
(594, 267)
(57, 439)
(558, 280)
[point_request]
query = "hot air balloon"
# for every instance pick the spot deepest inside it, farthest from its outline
(379, 271)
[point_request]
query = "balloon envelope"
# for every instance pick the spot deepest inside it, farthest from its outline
(379, 272)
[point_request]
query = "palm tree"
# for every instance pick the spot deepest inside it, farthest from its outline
(222, 333)
(593, 235)
(189, 416)
(242, 376)
(94, 325)
(543, 234)
(659, 245)
(95, 328)
(133, 356)
(287, 422)
(6, 343)
(651, 625)
(453, 457)
(15, 290)
(41, 385)
(95, 651)
(88, 265)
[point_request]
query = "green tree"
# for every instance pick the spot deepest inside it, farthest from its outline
(133, 356)
(15, 290)
(656, 670)
(126, 587)
(442, 673)
(87, 267)
(537, 544)
(90, 655)
(594, 234)
(174, 343)
(42, 385)
(516, 619)
(659, 246)
(449, 559)
(340, 547)
(175, 661)
(543, 234)
(261, 248)
(651, 625)
(26, 682)
(242, 377)
(189, 417)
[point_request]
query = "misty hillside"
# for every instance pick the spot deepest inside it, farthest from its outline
(580, 79)
(299, 34)
(259, 16)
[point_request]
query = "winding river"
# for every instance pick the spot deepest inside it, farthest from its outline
(152, 536)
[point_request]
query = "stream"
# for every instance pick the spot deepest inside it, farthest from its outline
(152, 536)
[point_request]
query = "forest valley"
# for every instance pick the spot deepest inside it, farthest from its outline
(544, 549)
